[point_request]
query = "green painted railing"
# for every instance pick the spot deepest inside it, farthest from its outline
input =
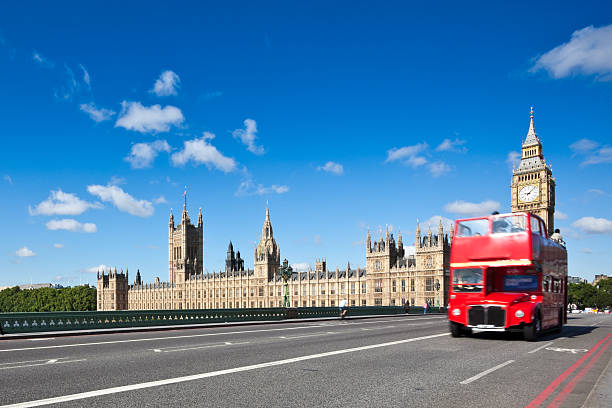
(62, 321)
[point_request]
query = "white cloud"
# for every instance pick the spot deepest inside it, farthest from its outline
(68, 224)
(58, 246)
(560, 215)
(452, 146)
(588, 52)
(8, 179)
(596, 191)
(513, 159)
(122, 200)
(433, 223)
(438, 168)
(410, 250)
(41, 60)
(332, 167)
(97, 114)
(592, 152)
(472, 209)
(248, 135)
(586, 251)
(70, 86)
(167, 84)
(135, 116)
(60, 203)
(410, 154)
(583, 146)
(96, 269)
(592, 225)
(86, 77)
(301, 267)
(143, 154)
(160, 200)
(602, 155)
(200, 151)
(248, 187)
(24, 252)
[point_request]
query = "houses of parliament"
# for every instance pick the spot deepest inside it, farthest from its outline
(390, 276)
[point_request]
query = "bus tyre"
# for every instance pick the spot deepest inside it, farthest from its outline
(532, 331)
(456, 329)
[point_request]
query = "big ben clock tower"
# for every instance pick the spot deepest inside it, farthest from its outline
(533, 186)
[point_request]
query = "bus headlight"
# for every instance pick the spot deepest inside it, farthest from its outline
(519, 313)
(456, 312)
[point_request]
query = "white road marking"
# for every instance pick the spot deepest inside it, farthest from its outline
(43, 339)
(306, 335)
(97, 343)
(573, 351)
(540, 348)
(183, 348)
(150, 384)
(35, 363)
(199, 335)
(485, 372)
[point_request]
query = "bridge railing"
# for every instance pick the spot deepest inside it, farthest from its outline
(63, 321)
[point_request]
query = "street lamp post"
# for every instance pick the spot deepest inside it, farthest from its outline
(285, 271)
(437, 286)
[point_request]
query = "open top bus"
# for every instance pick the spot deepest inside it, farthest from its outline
(506, 274)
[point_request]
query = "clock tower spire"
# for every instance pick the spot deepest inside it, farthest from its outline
(533, 186)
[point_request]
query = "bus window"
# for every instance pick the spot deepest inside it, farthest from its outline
(503, 224)
(467, 280)
(546, 284)
(520, 283)
(535, 226)
(472, 228)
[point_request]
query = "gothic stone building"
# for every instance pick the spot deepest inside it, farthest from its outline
(390, 277)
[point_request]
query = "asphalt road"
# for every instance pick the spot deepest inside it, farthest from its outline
(391, 361)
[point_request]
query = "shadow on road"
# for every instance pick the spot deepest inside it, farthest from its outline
(568, 331)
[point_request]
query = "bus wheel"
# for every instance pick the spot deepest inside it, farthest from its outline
(456, 329)
(532, 331)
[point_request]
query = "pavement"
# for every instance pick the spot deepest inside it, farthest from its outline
(386, 361)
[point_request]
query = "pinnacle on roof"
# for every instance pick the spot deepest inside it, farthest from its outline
(532, 137)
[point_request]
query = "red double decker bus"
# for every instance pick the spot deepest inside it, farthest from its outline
(506, 275)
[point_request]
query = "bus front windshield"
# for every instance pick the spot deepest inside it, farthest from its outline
(509, 224)
(467, 280)
(473, 228)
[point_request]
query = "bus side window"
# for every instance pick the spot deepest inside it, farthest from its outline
(545, 284)
(535, 225)
(542, 228)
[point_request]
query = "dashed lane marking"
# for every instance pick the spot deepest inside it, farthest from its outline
(540, 348)
(34, 363)
(485, 372)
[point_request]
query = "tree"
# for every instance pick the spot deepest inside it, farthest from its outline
(79, 298)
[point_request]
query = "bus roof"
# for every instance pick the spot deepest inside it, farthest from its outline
(512, 239)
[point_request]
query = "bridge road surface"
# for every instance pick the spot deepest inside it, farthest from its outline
(387, 361)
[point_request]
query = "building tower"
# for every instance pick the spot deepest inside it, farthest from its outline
(233, 262)
(112, 290)
(185, 247)
(533, 186)
(267, 253)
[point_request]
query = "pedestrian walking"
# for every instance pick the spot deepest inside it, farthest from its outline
(425, 305)
(343, 306)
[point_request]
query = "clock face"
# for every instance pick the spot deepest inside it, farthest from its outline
(528, 193)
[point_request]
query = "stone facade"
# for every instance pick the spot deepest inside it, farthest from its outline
(533, 186)
(390, 277)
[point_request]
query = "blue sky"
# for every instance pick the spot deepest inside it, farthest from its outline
(344, 115)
